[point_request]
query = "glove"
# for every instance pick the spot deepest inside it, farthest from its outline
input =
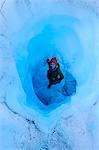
(47, 60)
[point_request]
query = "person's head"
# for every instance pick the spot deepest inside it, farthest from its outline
(53, 63)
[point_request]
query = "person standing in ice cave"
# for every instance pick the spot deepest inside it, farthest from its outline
(54, 73)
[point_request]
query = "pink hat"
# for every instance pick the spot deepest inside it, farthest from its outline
(54, 60)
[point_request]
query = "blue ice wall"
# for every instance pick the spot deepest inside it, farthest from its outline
(45, 47)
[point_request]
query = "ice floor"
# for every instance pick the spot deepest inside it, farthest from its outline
(34, 31)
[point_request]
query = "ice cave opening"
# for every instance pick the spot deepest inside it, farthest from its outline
(54, 39)
(61, 36)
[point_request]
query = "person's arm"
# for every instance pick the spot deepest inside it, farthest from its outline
(48, 74)
(60, 74)
(48, 60)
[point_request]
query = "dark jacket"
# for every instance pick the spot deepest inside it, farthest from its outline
(55, 76)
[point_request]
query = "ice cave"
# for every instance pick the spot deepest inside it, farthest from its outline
(37, 31)
(44, 41)
(58, 34)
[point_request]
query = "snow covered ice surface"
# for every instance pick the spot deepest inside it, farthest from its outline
(30, 32)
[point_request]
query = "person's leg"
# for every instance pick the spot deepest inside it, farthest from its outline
(51, 82)
(49, 86)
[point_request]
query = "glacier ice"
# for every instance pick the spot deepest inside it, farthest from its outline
(64, 34)
(34, 36)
